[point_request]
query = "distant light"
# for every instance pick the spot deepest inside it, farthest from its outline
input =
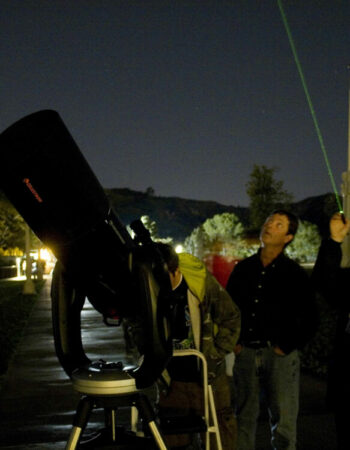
(45, 254)
(179, 248)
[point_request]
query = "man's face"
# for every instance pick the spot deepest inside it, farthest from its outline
(274, 232)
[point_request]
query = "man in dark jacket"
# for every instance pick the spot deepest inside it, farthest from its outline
(333, 282)
(276, 301)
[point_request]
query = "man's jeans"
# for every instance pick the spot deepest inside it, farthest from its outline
(277, 377)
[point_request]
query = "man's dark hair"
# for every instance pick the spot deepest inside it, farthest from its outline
(292, 219)
(169, 255)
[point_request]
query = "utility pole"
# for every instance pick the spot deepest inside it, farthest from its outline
(28, 287)
(346, 191)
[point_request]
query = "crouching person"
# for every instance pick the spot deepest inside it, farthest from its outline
(202, 316)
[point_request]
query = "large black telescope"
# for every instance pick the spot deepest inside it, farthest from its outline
(47, 179)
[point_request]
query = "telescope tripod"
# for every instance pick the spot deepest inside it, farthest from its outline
(109, 386)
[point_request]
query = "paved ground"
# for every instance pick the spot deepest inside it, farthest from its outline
(37, 402)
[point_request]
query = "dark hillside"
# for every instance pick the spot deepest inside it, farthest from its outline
(317, 210)
(177, 217)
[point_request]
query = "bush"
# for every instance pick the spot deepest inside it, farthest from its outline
(305, 245)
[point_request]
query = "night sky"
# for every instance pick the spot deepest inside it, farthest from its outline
(184, 96)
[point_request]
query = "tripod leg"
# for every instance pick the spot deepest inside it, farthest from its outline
(73, 438)
(148, 416)
(134, 419)
(80, 420)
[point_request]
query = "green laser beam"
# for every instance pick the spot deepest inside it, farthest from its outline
(312, 109)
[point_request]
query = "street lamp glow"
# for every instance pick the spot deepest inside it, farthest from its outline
(28, 286)
(44, 254)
